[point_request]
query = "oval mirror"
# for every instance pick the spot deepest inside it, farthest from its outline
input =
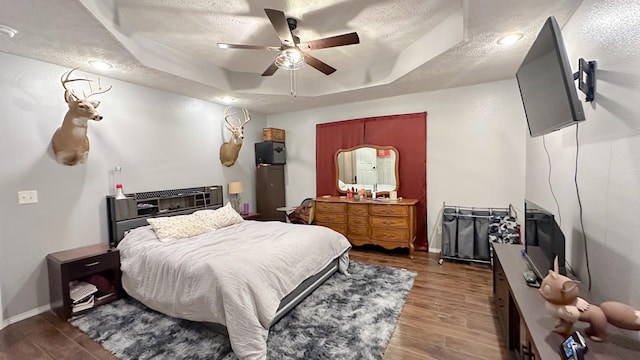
(364, 166)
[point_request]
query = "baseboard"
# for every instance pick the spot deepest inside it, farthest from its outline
(25, 315)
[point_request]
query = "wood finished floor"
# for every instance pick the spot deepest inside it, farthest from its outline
(448, 315)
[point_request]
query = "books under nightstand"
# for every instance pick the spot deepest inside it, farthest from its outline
(83, 278)
(82, 295)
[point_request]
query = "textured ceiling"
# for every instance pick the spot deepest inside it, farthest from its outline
(405, 46)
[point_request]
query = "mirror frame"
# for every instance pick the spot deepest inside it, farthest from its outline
(377, 147)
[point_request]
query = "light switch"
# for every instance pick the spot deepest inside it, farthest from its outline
(28, 197)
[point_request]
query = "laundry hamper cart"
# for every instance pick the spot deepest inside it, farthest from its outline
(467, 232)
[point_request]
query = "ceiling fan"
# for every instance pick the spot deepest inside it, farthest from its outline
(291, 55)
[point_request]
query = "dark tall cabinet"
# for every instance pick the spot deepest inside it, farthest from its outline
(270, 193)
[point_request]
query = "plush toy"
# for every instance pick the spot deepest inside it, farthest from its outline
(563, 302)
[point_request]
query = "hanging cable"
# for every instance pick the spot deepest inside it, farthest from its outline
(544, 144)
(584, 235)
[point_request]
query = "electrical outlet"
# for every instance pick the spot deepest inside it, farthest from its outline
(28, 197)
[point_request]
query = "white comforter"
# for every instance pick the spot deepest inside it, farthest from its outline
(235, 276)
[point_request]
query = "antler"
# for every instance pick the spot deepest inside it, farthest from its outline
(245, 113)
(247, 118)
(65, 79)
(226, 115)
(99, 91)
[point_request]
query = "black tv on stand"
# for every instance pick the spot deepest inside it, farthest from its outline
(544, 240)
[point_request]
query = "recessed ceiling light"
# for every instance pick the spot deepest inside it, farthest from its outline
(510, 39)
(100, 65)
(228, 99)
(8, 30)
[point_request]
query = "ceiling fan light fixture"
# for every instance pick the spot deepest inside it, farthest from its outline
(290, 59)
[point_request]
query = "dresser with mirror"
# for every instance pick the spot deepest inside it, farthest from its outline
(384, 222)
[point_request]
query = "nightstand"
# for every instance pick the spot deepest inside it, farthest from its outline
(251, 216)
(75, 264)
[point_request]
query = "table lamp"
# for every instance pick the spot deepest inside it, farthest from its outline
(235, 189)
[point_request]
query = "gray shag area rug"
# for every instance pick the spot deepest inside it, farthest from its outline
(347, 317)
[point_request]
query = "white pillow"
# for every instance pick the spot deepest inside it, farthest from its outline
(226, 216)
(177, 227)
(207, 217)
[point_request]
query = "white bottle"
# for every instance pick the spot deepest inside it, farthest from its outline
(119, 193)
(117, 179)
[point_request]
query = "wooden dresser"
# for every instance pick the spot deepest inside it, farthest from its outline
(390, 224)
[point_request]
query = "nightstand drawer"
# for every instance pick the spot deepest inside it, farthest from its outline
(94, 264)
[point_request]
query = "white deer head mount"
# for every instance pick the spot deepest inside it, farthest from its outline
(70, 142)
(230, 149)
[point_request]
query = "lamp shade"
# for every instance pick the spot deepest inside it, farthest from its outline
(235, 187)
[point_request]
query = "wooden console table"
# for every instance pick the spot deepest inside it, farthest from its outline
(390, 224)
(527, 326)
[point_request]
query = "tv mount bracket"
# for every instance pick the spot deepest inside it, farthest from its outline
(586, 76)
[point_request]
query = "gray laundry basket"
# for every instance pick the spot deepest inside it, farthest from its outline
(449, 231)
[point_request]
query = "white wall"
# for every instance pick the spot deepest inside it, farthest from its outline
(160, 140)
(475, 145)
(609, 154)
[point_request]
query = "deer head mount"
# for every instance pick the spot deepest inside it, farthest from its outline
(70, 142)
(230, 149)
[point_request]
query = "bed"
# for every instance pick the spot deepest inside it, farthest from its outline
(244, 276)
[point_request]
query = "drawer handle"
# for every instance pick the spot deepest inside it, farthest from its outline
(92, 264)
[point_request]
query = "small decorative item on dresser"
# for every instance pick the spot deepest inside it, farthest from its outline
(273, 134)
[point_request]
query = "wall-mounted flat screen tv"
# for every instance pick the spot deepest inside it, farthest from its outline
(546, 84)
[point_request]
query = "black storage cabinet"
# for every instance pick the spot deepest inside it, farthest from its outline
(270, 152)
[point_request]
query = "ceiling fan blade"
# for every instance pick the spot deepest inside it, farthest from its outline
(280, 25)
(270, 70)
(338, 40)
(316, 63)
(250, 47)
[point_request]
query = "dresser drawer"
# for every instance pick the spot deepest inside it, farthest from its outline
(356, 231)
(94, 264)
(358, 209)
(330, 217)
(391, 244)
(322, 206)
(358, 220)
(389, 221)
(341, 228)
(393, 210)
(389, 234)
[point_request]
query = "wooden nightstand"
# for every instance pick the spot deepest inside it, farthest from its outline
(251, 216)
(75, 264)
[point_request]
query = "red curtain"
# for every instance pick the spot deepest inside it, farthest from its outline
(330, 138)
(406, 132)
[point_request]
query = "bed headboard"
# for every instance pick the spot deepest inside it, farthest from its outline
(132, 212)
